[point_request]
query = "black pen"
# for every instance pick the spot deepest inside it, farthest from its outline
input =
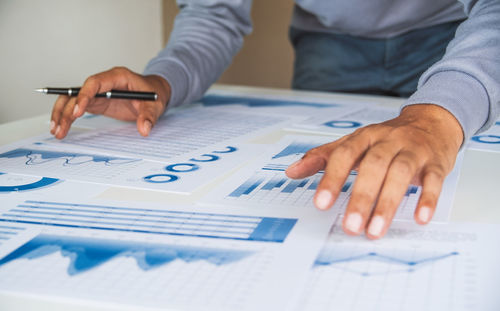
(116, 94)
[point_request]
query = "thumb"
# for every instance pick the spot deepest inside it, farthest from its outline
(149, 112)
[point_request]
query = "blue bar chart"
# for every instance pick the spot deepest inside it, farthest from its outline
(271, 187)
(150, 221)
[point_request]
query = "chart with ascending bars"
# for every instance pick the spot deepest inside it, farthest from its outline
(149, 221)
(269, 187)
(275, 189)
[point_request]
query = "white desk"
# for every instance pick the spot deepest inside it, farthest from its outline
(475, 199)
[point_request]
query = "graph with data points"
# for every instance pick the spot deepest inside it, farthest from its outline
(411, 269)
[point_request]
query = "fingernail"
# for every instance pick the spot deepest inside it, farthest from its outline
(147, 126)
(294, 164)
(353, 222)
(57, 130)
(323, 199)
(75, 110)
(52, 125)
(424, 214)
(376, 226)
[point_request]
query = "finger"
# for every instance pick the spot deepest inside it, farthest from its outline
(56, 112)
(338, 168)
(312, 162)
(149, 112)
(371, 174)
(401, 171)
(432, 183)
(66, 119)
(99, 83)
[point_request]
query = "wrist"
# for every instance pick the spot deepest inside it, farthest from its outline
(161, 87)
(434, 118)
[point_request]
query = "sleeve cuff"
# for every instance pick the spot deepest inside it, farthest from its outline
(175, 74)
(460, 94)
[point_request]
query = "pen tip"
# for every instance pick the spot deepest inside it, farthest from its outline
(40, 90)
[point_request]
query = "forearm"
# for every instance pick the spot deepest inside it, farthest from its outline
(466, 82)
(206, 36)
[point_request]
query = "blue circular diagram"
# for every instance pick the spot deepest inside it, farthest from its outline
(44, 182)
(160, 178)
(487, 139)
(342, 124)
(208, 158)
(182, 167)
(229, 150)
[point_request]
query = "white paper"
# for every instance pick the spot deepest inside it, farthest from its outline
(63, 162)
(181, 133)
(298, 106)
(347, 123)
(488, 140)
(433, 267)
(264, 185)
(161, 256)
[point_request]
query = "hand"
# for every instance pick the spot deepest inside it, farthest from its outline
(419, 146)
(66, 109)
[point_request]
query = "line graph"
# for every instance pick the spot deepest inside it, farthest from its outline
(415, 274)
(377, 263)
(40, 156)
(152, 221)
(88, 253)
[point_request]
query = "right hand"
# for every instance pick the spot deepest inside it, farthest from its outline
(67, 109)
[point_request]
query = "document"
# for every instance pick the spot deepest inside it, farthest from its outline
(264, 185)
(180, 134)
(433, 267)
(183, 176)
(156, 255)
(488, 140)
(298, 106)
(348, 123)
(20, 186)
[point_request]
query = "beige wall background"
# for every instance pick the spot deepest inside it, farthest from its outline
(61, 43)
(266, 58)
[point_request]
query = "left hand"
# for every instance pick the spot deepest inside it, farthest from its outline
(419, 146)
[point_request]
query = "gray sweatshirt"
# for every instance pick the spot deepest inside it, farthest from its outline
(466, 82)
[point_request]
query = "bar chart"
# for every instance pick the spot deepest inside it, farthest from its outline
(273, 188)
(149, 221)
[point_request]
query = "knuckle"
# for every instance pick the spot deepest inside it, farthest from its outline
(436, 171)
(376, 158)
(120, 70)
(345, 150)
(404, 166)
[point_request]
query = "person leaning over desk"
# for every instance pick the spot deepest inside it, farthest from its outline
(443, 54)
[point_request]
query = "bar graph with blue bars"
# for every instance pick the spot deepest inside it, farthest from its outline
(149, 221)
(272, 187)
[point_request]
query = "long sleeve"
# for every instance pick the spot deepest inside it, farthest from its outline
(206, 36)
(466, 81)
